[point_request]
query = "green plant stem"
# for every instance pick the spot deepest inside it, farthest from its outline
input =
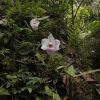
(87, 72)
(72, 13)
(78, 9)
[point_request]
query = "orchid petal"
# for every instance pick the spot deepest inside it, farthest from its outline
(51, 39)
(44, 43)
(34, 23)
(57, 44)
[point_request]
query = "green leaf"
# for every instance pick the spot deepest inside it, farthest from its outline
(34, 80)
(23, 89)
(40, 58)
(60, 67)
(71, 71)
(97, 84)
(56, 96)
(1, 35)
(38, 98)
(52, 94)
(25, 51)
(48, 91)
(29, 89)
(10, 77)
(18, 5)
(3, 21)
(4, 91)
(8, 84)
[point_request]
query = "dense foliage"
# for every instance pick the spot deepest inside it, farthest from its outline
(26, 71)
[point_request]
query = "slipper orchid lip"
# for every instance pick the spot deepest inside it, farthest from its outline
(50, 44)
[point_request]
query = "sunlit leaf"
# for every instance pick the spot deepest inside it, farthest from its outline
(11, 77)
(48, 91)
(56, 96)
(29, 89)
(60, 67)
(52, 94)
(71, 71)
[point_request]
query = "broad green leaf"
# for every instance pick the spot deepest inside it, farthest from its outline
(4, 91)
(34, 80)
(11, 77)
(52, 94)
(56, 96)
(48, 91)
(71, 71)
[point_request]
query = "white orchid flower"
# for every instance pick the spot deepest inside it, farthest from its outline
(34, 23)
(50, 44)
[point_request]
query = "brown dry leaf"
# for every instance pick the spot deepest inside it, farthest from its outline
(77, 80)
(89, 78)
(64, 79)
(65, 98)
